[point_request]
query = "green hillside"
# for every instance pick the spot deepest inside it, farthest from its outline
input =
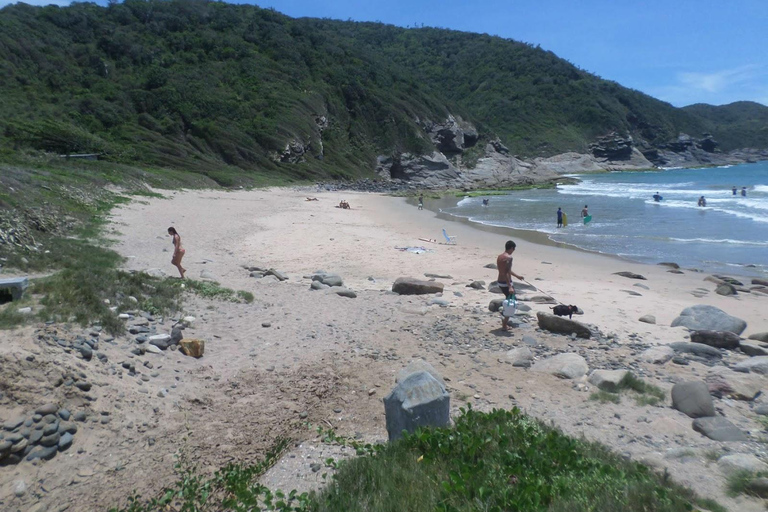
(220, 89)
(743, 124)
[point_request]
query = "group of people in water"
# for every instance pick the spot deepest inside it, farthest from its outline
(702, 201)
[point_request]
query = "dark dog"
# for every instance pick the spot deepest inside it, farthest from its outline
(563, 310)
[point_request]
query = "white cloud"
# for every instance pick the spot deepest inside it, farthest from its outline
(3, 3)
(719, 81)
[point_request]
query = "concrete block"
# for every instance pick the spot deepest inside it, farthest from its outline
(13, 286)
(417, 401)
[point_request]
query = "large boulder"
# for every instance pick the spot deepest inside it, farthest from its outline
(709, 318)
(717, 339)
(608, 380)
(418, 401)
(738, 462)
(753, 348)
(693, 399)
(724, 382)
(565, 366)
(412, 286)
(561, 325)
(698, 349)
(719, 429)
(416, 366)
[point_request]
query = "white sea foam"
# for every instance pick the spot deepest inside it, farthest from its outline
(721, 241)
(760, 188)
(467, 200)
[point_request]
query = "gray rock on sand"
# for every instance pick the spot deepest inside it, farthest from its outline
(342, 291)
(521, 357)
(608, 380)
(717, 339)
(317, 285)
(411, 286)
(692, 399)
(562, 325)
(419, 400)
(657, 355)
(161, 341)
(753, 348)
(279, 275)
(565, 366)
(738, 462)
(709, 318)
(477, 285)
(718, 429)
(759, 336)
(698, 349)
(328, 279)
(757, 364)
(416, 366)
(647, 319)
(630, 275)
(47, 409)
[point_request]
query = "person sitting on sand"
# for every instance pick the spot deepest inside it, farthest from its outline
(504, 264)
(178, 251)
(344, 205)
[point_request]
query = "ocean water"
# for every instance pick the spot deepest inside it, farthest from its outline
(729, 235)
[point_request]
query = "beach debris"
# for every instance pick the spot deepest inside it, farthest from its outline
(562, 325)
(566, 366)
(419, 400)
(693, 399)
(717, 339)
(192, 347)
(413, 286)
(724, 382)
(438, 276)
(414, 250)
(710, 318)
(647, 319)
(630, 275)
(718, 429)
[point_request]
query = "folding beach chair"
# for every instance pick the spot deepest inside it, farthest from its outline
(449, 239)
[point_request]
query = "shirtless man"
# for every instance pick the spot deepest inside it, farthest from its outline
(504, 264)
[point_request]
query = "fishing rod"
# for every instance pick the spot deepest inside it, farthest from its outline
(542, 291)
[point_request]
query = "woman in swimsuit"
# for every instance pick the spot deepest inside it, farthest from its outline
(178, 251)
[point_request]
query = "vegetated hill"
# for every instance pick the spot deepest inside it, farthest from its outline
(219, 88)
(743, 124)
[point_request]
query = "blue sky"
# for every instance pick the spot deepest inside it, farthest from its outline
(680, 51)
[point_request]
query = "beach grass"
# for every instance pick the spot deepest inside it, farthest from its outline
(644, 393)
(499, 460)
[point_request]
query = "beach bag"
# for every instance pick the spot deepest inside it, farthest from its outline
(509, 306)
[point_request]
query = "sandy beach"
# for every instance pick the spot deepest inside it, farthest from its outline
(297, 356)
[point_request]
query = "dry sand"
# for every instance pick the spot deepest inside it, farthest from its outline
(328, 360)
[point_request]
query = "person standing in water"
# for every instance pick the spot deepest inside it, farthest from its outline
(559, 217)
(734, 190)
(504, 264)
(743, 191)
(657, 197)
(178, 251)
(584, 211)
(702, 201)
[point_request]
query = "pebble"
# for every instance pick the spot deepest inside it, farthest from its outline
(64, 414)
(266, 324)
(19, 488)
